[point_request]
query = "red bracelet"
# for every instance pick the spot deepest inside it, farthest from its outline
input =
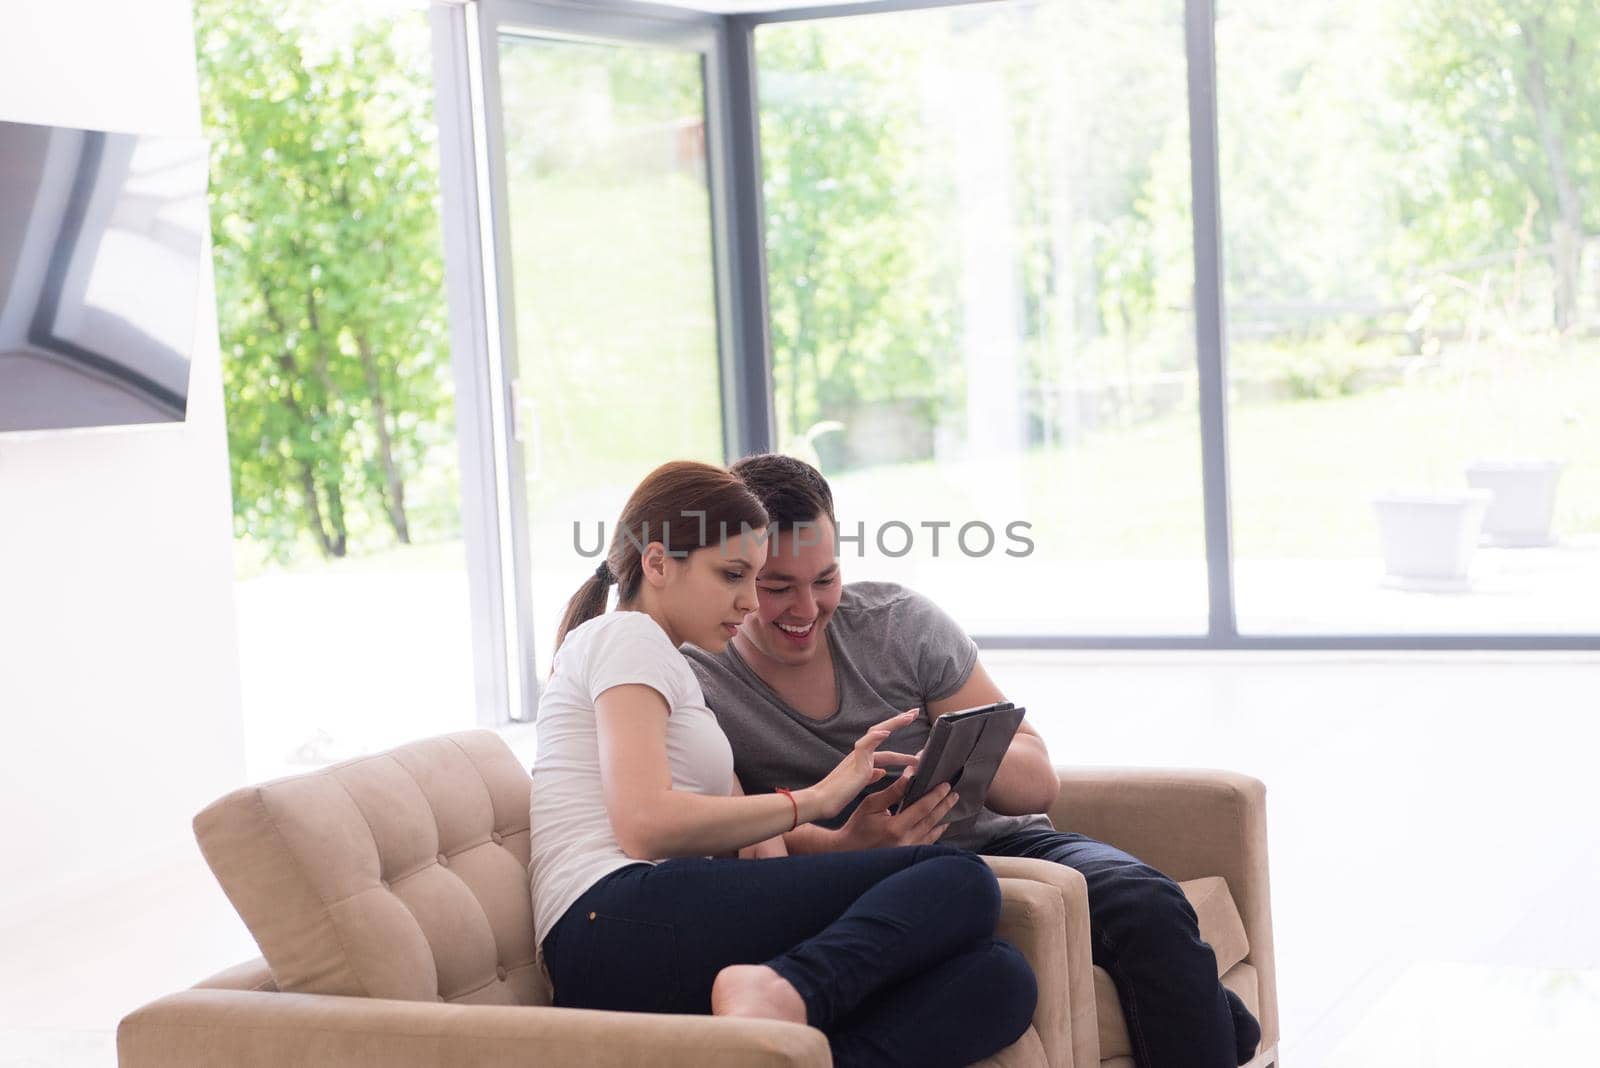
(793, 802)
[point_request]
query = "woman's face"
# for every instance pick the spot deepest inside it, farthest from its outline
(709, 592)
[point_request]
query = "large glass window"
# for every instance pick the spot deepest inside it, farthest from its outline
(980, 263)
(1409, 192)
(615, 302)
(352, 589)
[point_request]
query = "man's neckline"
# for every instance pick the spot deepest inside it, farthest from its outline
(778, 699)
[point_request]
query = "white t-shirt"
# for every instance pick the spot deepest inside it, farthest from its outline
(572, 843)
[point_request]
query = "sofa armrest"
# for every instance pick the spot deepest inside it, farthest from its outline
(1065, 1018)
(249, 1028)
(1188, 823)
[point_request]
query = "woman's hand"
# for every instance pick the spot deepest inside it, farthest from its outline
(863, 767)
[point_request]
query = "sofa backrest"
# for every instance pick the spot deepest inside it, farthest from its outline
(399, 875)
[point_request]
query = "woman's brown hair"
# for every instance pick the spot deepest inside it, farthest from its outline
(683, 504)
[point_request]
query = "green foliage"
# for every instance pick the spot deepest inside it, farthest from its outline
(1507, 94)
(612, 273)
(867, 127)
(1368, 147)
(1308, 154)
(852, 256)
(1333, 363)
(329, 271)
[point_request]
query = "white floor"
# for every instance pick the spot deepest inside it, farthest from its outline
(1435, 853)
(1431, 819)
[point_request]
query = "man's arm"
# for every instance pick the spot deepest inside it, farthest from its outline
(1025, 782)
(809, 838)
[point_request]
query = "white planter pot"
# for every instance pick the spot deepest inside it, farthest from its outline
(1524, 499)
(1429, 538)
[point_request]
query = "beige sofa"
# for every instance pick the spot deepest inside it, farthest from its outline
(1206, 829)
(390, 895)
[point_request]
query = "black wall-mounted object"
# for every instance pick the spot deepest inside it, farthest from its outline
(101, 240)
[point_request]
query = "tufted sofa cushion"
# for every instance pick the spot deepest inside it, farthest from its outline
(400, 875)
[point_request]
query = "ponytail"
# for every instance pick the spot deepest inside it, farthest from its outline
(588, 602)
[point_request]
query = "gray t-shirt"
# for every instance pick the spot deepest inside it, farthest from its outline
(892, 650)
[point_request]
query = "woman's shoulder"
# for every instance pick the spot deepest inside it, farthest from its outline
(583, 642)
(620, 637)
(618, 624)
(613, 649)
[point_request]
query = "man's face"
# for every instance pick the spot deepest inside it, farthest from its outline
(798, 590)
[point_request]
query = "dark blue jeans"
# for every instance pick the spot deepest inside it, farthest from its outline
(1147, 938)
(892, 950)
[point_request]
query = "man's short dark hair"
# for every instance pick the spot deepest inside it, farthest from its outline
(791, 490)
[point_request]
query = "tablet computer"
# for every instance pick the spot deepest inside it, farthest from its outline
(965, 749)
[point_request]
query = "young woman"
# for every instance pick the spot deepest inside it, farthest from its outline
(639, 904)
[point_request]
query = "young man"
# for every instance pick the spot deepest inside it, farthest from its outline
(820, 661)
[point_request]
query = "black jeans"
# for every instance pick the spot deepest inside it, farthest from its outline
(892, 950)
(1146, 936)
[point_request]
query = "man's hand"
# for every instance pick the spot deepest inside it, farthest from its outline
(772, 847)
(871, 826)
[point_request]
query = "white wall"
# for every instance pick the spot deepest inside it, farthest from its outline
(119, 666)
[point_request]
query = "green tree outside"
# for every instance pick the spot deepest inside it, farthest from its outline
(1510, 92)
(859, 275)
(329, 274)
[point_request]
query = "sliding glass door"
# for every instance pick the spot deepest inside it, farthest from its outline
(607, 211)
(980, 270)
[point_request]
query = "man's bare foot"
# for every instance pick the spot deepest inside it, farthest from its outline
(758, 991)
